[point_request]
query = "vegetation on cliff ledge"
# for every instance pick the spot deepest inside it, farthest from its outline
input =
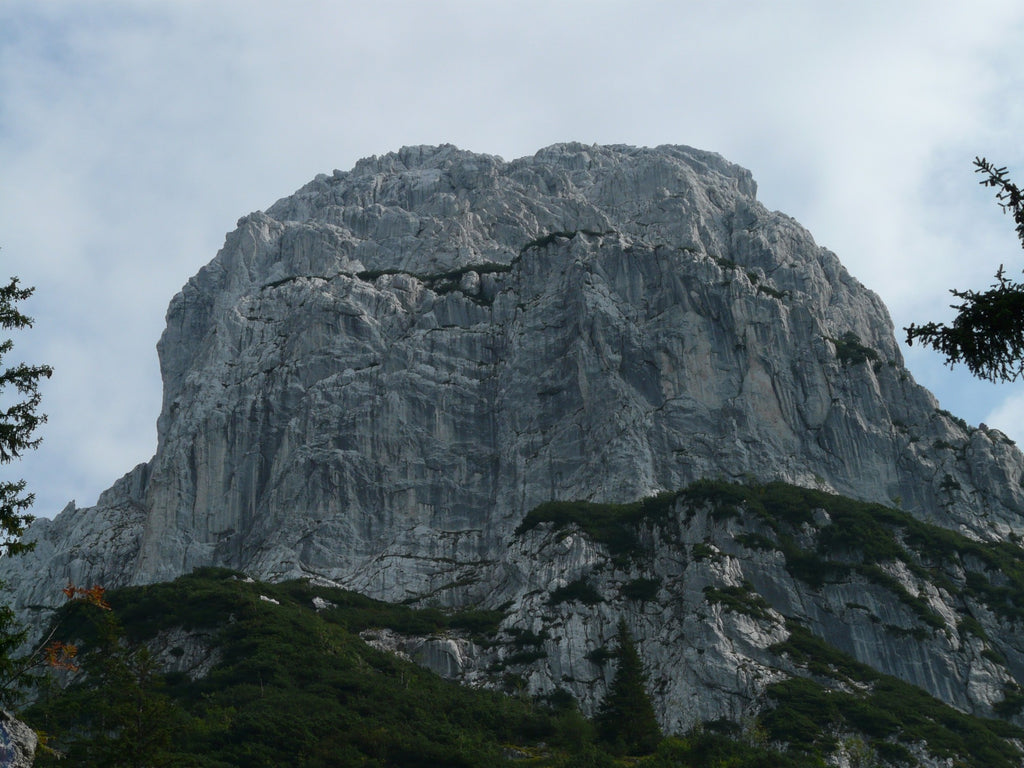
(216, 670)
(287, 684)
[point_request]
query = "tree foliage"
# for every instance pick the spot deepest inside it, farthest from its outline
(626, 719)
(245, 681)
(987, 334)
(19, 399)
(124, 718)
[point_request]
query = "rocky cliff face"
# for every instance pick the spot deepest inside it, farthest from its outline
(376, 379)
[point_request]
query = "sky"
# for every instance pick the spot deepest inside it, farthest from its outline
(133, 135)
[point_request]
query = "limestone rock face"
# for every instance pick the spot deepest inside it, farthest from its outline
(17, 742)
(719, 599)
(376, 378)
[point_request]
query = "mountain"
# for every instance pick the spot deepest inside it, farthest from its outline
(598, 382)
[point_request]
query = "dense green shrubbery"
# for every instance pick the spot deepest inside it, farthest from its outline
(853, 539)
(859, 536)
(580, 591)
(850, 350)
(296, 687)
(641, 589)
(741, 599)
(293, 687)
(882, 708)
(614, 525)
(856, 538)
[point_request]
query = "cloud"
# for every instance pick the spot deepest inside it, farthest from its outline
(1008, 417)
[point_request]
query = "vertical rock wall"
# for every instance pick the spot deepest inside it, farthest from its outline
(375, 379)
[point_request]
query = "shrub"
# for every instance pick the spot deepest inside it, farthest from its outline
(580, 590)
(641, 589)
(850, 351)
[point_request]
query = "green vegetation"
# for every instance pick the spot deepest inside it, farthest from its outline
(853, 539)
(987, 334)
(295, 686)
(859, 537)
(756, 541)
(850, 350)
(964, 426)
(856, 538)
(641, 589)
(19, 418)
(1012, 703)
(600, 655)
(580, 591)
(826, 538)
(626, 720)
(703, 551)
(773, 292)
(949, 484)
(889, 712)
(19, 421)
(709, 747)
(614, 525)
(742, 599)
(122, 716)
(524, 637)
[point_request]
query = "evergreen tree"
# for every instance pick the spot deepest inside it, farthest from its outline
(626, 719)
(18, 422)
(132, 720)
(117, 714)
(987, 334)
(18, 419)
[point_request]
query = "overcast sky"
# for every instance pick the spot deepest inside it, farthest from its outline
(134, 134)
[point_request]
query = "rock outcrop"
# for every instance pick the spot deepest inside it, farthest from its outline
(17, 742)
(378, 377)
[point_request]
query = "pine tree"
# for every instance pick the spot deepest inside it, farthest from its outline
(626, 719)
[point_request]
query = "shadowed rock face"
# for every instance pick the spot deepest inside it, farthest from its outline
(375, 379)
(17, 742)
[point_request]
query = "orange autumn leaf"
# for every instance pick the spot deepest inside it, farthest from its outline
(93, 596)
(61, 655)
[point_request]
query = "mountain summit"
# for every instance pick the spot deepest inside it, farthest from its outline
(382, 378)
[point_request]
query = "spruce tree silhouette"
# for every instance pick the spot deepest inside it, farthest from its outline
(18, 419)
(626, 719)
(18, 423)
(987, 334)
